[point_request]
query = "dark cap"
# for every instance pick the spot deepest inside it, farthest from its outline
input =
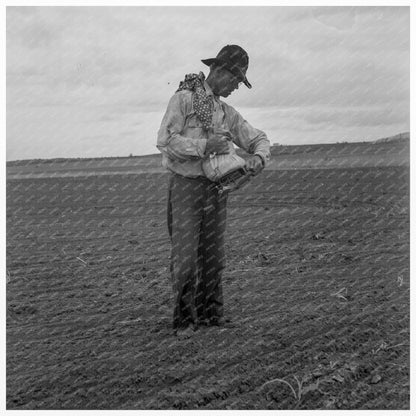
(235, 59)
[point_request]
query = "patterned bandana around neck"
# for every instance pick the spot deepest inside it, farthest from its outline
(202, 103)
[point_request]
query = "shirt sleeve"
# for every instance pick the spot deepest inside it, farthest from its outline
(170, 139)
(247, 137)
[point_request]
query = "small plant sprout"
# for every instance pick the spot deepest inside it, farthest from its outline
(80, 259)
(383, 346)
(340, 294)
(301, 391)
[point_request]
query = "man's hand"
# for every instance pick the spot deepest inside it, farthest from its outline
(254, 164)
(218, 143)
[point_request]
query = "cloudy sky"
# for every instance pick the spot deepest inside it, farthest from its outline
(95, 81)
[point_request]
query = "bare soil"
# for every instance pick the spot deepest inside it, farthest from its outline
(316, 288)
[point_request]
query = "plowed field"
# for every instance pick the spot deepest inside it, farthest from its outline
(316, 288)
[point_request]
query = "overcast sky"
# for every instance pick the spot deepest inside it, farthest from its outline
(95, 81)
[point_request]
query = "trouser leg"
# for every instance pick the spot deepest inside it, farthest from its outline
(209, 296)
(184, 224)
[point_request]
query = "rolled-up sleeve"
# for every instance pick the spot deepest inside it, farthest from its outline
(252, 140)
(170, 139)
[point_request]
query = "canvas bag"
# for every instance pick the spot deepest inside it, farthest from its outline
(217, 166)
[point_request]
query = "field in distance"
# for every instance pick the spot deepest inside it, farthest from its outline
(385, 152)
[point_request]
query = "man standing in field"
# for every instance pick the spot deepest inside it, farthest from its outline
(196, 128)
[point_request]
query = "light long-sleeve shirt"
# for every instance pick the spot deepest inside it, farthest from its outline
(182, 140)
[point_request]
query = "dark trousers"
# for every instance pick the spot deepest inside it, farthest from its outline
(196, 223)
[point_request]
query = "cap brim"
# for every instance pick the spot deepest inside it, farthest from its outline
(211, 61)
(246, 83)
